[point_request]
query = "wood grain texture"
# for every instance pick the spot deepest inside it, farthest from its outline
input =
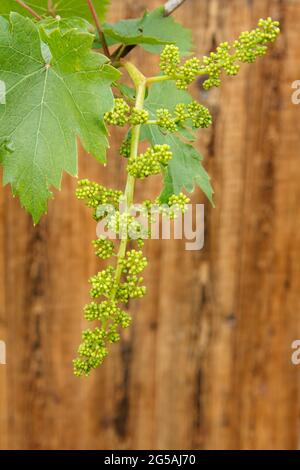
(207, 362)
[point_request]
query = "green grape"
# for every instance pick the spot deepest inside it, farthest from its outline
(103, 247)
(119, 116)
(187, 73)
(134, 262)
(91, 352)
(131, 289)
(165, 120)
(151, 162)
(94, 194)
(181, 113)
(123, 319)
(103, 283)
(112, 333)
(249, 46)
(138, 116)
(170, 59)
(200, 115)
(124, 224)
(125, 147)
(180, 201)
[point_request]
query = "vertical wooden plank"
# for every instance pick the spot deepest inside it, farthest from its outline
(3, 331)
(269, 273)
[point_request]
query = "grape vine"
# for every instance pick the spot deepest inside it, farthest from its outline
(65, 66)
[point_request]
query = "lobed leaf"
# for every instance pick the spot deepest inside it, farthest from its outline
(152, 31)
(63, 8)
(185, 169)
(56, 90)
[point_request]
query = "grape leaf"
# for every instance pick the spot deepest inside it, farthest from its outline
(129, 32)
(152, 31)
(6, 148)
(167, 95)
(185, 168)
(65, 24)
(126, 91)
(168, 30)
(56, 90)
(62, 8)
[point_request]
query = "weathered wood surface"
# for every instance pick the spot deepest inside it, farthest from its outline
(207, 363)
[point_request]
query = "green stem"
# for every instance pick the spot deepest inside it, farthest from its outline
(29, 9)
(140, 85)
(164, 78)
(99, 28)
(158, 78)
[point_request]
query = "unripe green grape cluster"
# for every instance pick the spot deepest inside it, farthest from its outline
(94, 194)
(120, 114)
(184, 74)
(107, 291)
(170, 60)
(91, 352)
(200, 115)
(107, 310)
(176, 204)
(104, 247)
(249, 46)
(194, 111)
(150, 162)
(125, 225)
(181, 113)
(125, 147)
(103, 283)
(179, 202)
(131, 289)
(134, 262)
(165, 120)
(138, 116)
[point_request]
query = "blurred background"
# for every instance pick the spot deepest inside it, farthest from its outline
(207, 361)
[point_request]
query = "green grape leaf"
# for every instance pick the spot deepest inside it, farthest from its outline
(152, 31)
(126, 91)
(62, 8)
(65, 24)
(56, 90)
(166, 95)
(6, 148)
(129, 32)
(168, 30)
(185, 170)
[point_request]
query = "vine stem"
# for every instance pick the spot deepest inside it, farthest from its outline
(29, 9)
(140, 83)
(99, 28)
(51, 8)
(158, 78)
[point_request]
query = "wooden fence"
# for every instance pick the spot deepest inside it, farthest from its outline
(207, 362)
